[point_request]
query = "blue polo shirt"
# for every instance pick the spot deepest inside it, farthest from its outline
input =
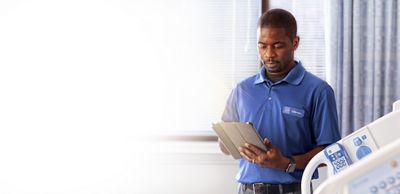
(297, 114)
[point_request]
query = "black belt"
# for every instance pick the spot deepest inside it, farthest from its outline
(272, 188)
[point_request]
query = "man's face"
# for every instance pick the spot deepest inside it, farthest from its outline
(276, 50)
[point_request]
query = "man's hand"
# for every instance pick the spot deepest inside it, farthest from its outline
(272, 158)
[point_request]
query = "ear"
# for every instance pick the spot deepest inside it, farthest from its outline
(296, 41)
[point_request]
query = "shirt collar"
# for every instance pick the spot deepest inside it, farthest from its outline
(294, 77)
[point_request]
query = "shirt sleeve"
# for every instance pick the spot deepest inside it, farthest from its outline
(325, 117)
(230, 113)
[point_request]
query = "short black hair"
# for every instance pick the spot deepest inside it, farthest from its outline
(279, 18)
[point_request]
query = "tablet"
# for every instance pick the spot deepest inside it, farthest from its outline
(236, 134)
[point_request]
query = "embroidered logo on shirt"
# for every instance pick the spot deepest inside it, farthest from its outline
(293, 111)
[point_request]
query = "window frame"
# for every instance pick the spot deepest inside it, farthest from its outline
(196, 136)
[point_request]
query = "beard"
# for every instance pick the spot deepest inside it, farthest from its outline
(271, 65)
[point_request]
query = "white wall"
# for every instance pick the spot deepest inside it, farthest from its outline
(143, 167)
(191, 168)
(187, 168)
(198, 168)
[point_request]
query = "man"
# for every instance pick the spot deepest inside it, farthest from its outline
(292, 109)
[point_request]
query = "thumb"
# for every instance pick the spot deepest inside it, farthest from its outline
(268, 144)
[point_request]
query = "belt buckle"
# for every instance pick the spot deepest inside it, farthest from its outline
(257, 186)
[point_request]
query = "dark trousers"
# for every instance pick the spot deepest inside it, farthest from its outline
(260, 188)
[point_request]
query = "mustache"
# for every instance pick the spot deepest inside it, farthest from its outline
(268, 61)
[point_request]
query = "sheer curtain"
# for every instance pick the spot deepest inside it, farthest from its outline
(364, 47)
(309, 15)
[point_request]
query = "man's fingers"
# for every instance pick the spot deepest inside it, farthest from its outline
(247, 157)
(257, 151)
(247, 152)
(268, 144)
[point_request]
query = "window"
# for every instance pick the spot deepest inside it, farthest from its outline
(220, 50)
(119, 68)
(128, 67)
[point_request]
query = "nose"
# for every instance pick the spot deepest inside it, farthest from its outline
(269, 52)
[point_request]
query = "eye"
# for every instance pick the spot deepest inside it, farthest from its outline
(262, 46)
(279, 45)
